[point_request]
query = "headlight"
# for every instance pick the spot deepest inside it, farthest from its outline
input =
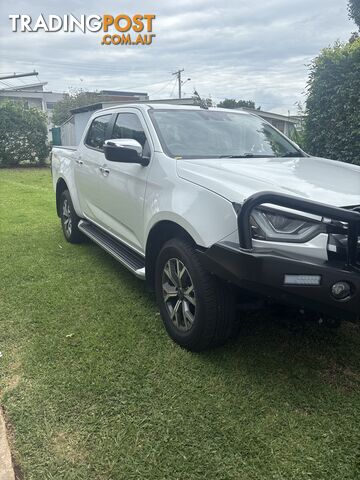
(283, 227)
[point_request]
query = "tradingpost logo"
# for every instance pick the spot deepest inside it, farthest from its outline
(120, 29)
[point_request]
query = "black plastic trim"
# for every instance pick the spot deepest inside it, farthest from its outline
(133, 260)
(263, 272)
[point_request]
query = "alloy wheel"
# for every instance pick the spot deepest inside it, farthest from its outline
(66, 216)
(179, 294)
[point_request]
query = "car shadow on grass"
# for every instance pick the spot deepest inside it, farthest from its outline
(293, 355)
(275, 345)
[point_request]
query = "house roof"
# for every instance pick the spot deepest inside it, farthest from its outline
(123, 93)
(35, 87)
(95, 106)
(272, 115)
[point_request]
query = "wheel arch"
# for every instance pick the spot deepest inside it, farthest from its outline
(61, 186)
(160, 233)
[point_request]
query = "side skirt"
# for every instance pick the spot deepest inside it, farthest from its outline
(121, 252)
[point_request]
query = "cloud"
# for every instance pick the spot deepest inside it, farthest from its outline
(236, 49)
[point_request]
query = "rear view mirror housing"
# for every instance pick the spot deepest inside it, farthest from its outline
(125, 150)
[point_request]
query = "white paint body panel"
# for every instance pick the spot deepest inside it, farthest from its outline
(196, 194)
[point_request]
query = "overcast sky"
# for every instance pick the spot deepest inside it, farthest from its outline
(256, 50)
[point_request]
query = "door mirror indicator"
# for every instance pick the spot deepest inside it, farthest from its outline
(124, 150)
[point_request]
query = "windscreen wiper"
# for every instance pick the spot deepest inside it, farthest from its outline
(292, 154)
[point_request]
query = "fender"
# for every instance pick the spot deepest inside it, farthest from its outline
(205, 215)
(62, 166)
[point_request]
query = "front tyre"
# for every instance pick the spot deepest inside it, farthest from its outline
(69, 219)
(197, 310)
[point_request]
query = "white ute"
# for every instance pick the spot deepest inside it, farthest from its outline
(201, 201)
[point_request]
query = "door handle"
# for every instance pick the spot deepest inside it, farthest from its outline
(79, 162)
(104, 171)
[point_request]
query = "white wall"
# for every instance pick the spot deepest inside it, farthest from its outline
(67, 132)
(81, 120)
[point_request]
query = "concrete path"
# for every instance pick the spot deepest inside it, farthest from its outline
(6, 468)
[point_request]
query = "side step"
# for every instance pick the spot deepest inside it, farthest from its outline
(132, 260)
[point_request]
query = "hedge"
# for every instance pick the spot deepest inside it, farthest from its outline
(332, 125)
(23, 135)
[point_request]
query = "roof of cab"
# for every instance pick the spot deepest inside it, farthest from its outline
(167, 106)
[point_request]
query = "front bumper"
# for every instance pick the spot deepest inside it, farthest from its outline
(264, 273)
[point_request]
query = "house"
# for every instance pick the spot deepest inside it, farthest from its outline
(34, 95)
(286, 124)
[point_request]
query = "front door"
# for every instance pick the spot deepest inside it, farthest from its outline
(122, 191)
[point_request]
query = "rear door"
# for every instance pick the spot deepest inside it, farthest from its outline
(88, 165)
(122, 190)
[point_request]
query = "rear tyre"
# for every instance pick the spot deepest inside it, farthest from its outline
(69, 219)
(197, 310)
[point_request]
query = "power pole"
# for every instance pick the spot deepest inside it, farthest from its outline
(18, 75)
(178, 75)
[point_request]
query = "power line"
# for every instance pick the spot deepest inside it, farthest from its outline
(93, 67)
(162, 88)
(146, 86)
(7, 84)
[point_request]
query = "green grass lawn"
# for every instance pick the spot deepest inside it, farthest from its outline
(93, 388)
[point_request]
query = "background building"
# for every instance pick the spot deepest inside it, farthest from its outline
(286, 124)
(34, 95)
(71, 131)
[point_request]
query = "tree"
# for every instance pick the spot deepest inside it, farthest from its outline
(204, 102)
(332, 125)
(232, 103)
(354, 11)
(62, 110)
(23, 135)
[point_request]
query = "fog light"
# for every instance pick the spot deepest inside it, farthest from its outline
(341, 290)
(302, 279)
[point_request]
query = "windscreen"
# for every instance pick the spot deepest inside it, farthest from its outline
(209, 134)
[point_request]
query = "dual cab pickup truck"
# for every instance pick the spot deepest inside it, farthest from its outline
(200, 201)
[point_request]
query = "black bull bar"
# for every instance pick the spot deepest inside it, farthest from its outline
(349, 217)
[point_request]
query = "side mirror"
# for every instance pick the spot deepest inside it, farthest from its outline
(125, 150)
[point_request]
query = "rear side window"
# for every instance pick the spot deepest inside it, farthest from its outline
(97, 132)
(128, 125)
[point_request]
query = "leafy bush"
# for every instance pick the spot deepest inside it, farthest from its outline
(23, 135)
(232, 103)
(297, 136)
(354, 11)
(332, 125)
(78, 98)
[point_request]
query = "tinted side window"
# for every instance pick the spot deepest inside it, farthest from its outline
(97, 132)
(128, 125)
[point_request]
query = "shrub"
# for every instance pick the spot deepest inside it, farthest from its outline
(354, 11)
(23, 135)
(232, 103)
(74, 99)
(332, 125)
